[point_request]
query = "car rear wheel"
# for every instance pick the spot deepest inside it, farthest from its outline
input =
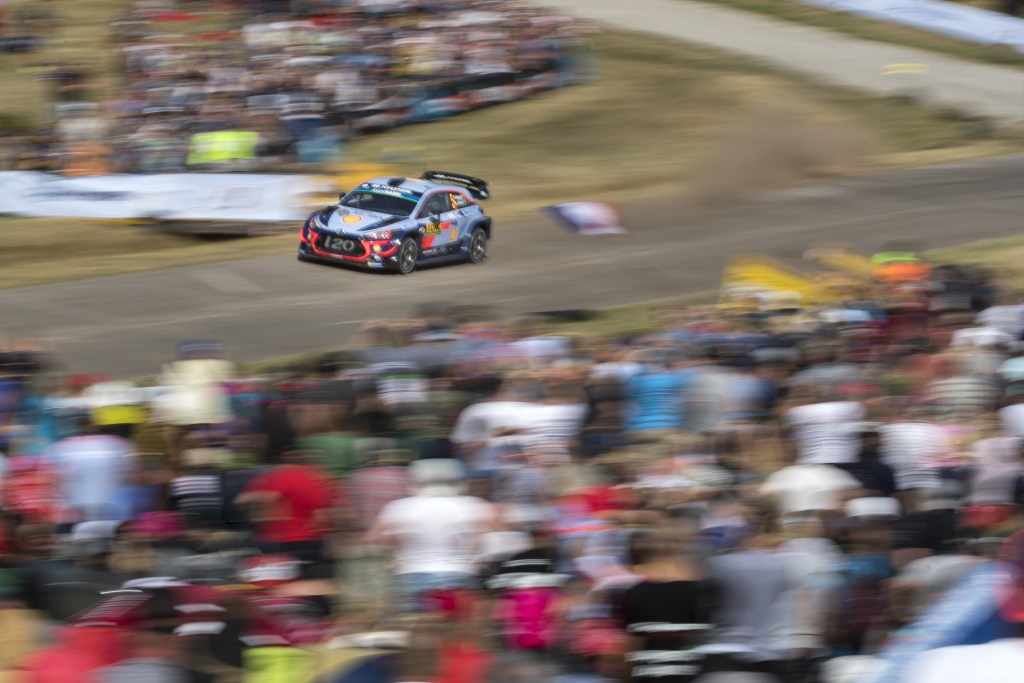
(478, 246)
(407, 256)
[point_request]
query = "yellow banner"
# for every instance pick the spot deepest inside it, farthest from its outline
(755, 275)
(842, 259)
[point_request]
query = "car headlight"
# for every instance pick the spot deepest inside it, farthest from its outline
(318, 223)
(379, 235)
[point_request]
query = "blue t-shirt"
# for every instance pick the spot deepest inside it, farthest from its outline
(657, 399)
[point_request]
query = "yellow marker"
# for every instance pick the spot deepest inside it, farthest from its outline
(454, 234)
(904, 69)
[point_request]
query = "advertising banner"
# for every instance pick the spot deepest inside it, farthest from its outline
(970, 24)
(174, 196)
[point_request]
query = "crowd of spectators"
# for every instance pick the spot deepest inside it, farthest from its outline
(289, 82)
(763, 488)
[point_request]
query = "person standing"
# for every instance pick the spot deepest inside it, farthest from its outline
(435, 535)
(998, 661)
(290, 508)
(90, 472)
(666, 614)
(754, 584)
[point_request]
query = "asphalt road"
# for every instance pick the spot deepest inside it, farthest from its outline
(275, 306)
(982, 89)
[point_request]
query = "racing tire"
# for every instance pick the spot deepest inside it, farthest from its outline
(477, 246)
(407, 256)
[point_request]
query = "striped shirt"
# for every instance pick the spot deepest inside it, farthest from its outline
(963, 396)
(196, 492)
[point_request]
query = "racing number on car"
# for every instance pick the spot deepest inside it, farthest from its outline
(340, 244)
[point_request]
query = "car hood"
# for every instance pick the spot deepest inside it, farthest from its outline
(353, 221)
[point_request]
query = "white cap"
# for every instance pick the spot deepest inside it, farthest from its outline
(437, 476)
(93, 531)
(873, 507)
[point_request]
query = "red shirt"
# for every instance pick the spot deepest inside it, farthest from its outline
(462, 663)
(302, 492)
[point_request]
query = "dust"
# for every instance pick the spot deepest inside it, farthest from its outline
(775, 147)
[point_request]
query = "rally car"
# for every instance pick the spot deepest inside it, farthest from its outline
(399, 223)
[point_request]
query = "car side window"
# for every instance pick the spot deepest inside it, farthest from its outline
(458, 201)
(437, 204)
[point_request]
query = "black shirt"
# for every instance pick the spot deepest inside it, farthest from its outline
(667, 620)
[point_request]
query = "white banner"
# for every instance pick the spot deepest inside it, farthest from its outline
(174, 196)
(963, 22)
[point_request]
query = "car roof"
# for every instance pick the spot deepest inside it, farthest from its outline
(416, 186)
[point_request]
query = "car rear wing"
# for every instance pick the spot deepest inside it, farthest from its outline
(478, 188)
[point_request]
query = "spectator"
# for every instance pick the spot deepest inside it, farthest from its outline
(91, 469)
(436, 534)
(290, 508)
(987, 662)
(752, 583)
(657, 397)
(667, 613)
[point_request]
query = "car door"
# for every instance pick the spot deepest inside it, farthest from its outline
(439, 234)
(461, 216)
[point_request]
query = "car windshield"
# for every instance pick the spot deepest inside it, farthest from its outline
(391, 204)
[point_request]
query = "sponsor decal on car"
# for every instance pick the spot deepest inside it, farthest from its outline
(454, 234)
(388, 189)
(351, 218)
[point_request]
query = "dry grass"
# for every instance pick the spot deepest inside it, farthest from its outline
(662, 114)
(650, 125)
(28, 255)
(1002, 256)
(879, 31)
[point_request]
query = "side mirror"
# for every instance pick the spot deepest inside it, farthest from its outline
(341, 196)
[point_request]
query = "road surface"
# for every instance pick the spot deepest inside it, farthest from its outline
(981, 89)
(275, 306)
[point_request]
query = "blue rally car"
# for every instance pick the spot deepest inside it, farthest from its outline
(399, 223)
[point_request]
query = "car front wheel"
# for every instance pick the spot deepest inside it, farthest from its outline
(478, 246)
(407, 256)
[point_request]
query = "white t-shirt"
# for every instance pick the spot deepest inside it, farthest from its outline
(803, 488)
(556, 422)
(981, 336)
(910, 448)
(479, 420)
(195, 391)
(1009, 319)
(822, 431)
(1000, 661)
(437, 534)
